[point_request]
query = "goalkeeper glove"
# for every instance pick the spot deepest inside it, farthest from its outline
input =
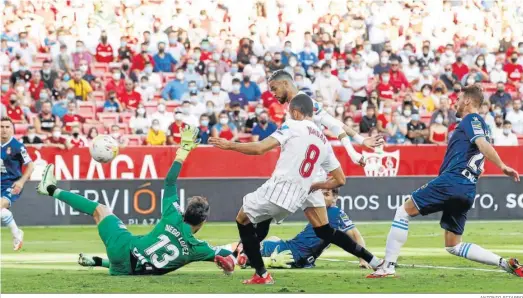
(188, 142)
(282, 259)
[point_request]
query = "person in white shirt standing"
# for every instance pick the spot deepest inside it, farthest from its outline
(327, 85)
(304, 150)
(357, 79)
(507, 138)
(516, 117)
(498, 74)
(370, 57)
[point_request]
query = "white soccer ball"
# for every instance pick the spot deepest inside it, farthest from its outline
(104, 148)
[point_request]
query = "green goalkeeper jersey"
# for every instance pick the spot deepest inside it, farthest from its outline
(171, 244)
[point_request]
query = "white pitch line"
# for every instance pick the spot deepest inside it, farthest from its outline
(421, 266)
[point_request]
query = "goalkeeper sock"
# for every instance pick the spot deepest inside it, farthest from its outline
(399, 231)
(76, 201)
(100, 262)
(251, 247)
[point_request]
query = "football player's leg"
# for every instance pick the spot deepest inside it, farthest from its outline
(399, 231)
(251, 244)
(92, 261)
(317, 216)
(8, 219)
(453, 222)
(48, 187)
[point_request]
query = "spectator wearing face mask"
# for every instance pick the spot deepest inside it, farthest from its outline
(424, 100)
(76, 140)
(129, 99)
(81, 53)
(506, 137)
(45, 120)
(244, 53)
(254, 118)
(57, 140)
(82, 88)
(228, 77)
(204, 129)
(397, 77)
(327, 85)
(221, 65)
(225, 129)
(73, 119)
(513, 69)
(515, 116)
(124, 51)
(396, 132)
(22, 74)
(138, 61)
(497, 74)
(163, 62)
(412, 70)
(473, 77)
(369, 56)
(175, 47)
(500, 97)
(357, 79)
(104, 50)
(425, 78)
(417, 130)
(140, 122)
(116, 82)
(498, 124)
(484, 111)
(235, 96)
(118, 137)
(459, 68)
(238, 117)
(448, 114)
(14, 110)
(146, 91)
(111, 104)
(30, 139)
(406, 115)
(48, 74)
(383, 66)
(369, 120)
(448, 77)
(438, 132)
(155, 79)
(287, 54)
(192, 75)
(63, 61)
(164, 118)
(264, 128)
(249, 88)
(385, 88)
(307, 57)
(384, 118)
(276, 63)
(36, 85)
(175, 89)
(256, 70)
(155, 136)
(188, 117)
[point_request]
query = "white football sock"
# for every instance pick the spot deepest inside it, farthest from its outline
(476, 253)
(398, 234)
(8, 220)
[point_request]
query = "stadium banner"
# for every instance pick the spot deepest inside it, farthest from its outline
(209, 162)
(139, 201)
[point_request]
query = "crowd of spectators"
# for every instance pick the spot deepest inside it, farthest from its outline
(142, 69)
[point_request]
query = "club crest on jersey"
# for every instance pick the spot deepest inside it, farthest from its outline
(8, 151)
(382, 164)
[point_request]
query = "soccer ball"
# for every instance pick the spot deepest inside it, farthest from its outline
(104, 148)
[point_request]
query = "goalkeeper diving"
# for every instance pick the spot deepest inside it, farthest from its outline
(169, 246)
(303, 250)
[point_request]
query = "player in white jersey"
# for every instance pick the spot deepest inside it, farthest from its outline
(304, 149)
(282, 86)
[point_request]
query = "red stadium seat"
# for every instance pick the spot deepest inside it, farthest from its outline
(134, 140)
(168, 76)
(124, 128)
(99, 127)
(125, 117)
(100, 68)
(5, 75)
(40, 57)
(157, 97)
(99, 96)
(150, 107)
(170, 106)
(108, 119)
(244, 137)
(21, 129)
(87, 108)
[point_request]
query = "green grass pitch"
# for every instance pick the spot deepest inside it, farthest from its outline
(47, 264)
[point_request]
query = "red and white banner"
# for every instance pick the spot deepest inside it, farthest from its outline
(209, 162)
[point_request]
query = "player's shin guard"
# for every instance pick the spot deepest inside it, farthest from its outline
(398, 234)
(342, 240)
(251, 247)
(8, 220)
(76, 201)
(475, 253)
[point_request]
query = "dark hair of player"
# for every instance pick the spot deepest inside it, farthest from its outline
(303, 104)
(335, 191)
(279, 75)
(197, 211)
(475, 93)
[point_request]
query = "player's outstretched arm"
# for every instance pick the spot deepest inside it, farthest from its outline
(188, 143)
(336, 179)
(252, 148)
(490, 153)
